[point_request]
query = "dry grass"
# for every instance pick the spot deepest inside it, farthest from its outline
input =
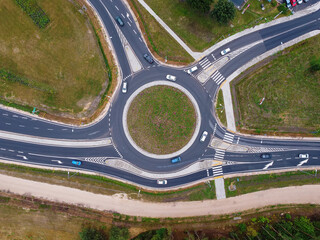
(64, 56)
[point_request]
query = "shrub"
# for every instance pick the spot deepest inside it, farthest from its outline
(282, 8)
(117, 233)
(92, 233)
(314, 64)
(223, 11)
(37, 15)
(274, 3)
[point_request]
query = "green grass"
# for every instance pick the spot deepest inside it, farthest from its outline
(202, 31)
(261, 182)
(161, 119)
(220, 110)
(64, 57)
(160, 40)
(291, 93)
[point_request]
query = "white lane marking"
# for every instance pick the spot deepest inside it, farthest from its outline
(314, 157)
(10, 150)
(64, 129)
(123, 15)
(268, 165)
(116, 7)
(5, 114)
(93, 133)
(207, 172)
(215, 129)
(24, 118)
(36, 128)
(303, 162)
(140, 39)
(238, 140)
(8, 123)
(3, 149)
(129, 24)
(128, 16)
(50, 129)
(280, 159)
(20, 152)
(24, 157)
(14, 116)
(288, 158)
(21, 125)
(134, 31)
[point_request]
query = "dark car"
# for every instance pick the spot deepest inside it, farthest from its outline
(120, 22)
(266, 156)
(148, 58)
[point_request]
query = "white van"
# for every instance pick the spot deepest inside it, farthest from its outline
(193, 69)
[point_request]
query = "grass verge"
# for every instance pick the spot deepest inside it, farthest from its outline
(202, 31)
(104, 185)
(289, 89)
(261, 182)
(220, 109)
(161, 119)
(158, 39)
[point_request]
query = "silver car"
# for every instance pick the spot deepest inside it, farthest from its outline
(224, 52)
(203, 136)
(161, 182)
(124, 87)
(171, 77)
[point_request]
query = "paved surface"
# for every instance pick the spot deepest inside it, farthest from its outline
(246, 47)
(308, 194)
(220, 190)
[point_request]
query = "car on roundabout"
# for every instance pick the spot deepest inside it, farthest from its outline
(203, 136)
(124, 87)
(162, 182)
(148, 58)
(171, 77)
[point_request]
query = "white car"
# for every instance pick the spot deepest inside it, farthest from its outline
(303, 155)
(162, 182)
(203, 136)
(224, 52)
(299, 1)
(171, 77)
(124, 87)
(193, 69)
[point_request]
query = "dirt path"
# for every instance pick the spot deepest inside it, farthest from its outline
(288, 195)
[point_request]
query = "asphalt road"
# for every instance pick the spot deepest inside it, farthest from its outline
(111, 123)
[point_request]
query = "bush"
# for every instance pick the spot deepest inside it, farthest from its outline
(117, 233)
(282, 8)
(202, 6)
(314, 64)
(37, 15)
(224, 11)
(92, 233)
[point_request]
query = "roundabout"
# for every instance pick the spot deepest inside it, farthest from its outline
(159, 109)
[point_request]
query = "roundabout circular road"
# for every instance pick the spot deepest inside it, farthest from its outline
(153, 162)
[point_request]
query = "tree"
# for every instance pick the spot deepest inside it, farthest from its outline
(314, 64)
(202, 6)
(92, 233)
(223, 11)
(117, 233)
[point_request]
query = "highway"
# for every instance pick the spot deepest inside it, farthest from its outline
(284, 152)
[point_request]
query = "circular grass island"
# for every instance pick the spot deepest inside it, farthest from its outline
(161, 119)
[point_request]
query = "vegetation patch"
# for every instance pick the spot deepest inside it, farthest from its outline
(57, 69)
(161, 119)
(37, 15)
(282, 94)
(199, 30)
(220, 110)
(160, 41)
(241, 185)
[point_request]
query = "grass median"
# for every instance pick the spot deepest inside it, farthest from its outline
(60, 68)
(281, 95)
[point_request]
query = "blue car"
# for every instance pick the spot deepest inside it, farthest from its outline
(176, 159)
(75, 162)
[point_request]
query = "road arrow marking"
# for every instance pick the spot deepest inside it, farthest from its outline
(268, 165)
(24, 157)
(303, 162)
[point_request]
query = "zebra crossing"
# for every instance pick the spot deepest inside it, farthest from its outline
(217, 170)
(219, 154)
(228, 137)
(205, 63)
(217, 77)
(98, 160)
